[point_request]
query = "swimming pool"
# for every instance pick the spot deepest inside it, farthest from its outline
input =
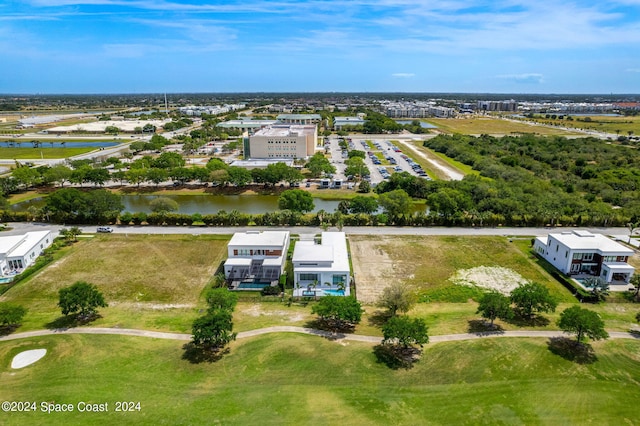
(252, 286)
(333, 292)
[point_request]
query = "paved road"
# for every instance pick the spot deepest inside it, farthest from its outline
(22, 227)
(292, 329)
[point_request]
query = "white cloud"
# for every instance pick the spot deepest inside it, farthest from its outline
(403, 75)
(632, 70)
(530, 78)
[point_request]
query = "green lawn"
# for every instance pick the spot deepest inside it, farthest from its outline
(43, 152)
(152, 282)
(297, 379)
(491, 126)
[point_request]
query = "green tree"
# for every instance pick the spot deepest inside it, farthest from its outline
(221, 299)
(11, 314)
(363, 204)
(26, 176)
(397, 297)
(635, 282)
(111, 130)
(405, 331)
(338, 312)
(239, 176)
(598, 287)
(532, 297)
(494, 305)
(364, 187)
(157, 175)
(213, 330)
(163, 205)
(356, 167)
(216, 164)
(136, 176)
(58, 174)
(582, 322)
(82, 299)
(396, 202)
(296, 200)
(168, 160)
(97, 176)
(319, 164)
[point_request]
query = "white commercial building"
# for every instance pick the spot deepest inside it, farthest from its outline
(582, 254)
(282, 141)
(322, 269)
(256, 258)
(17, 252)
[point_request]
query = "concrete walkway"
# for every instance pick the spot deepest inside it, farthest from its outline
(303, 330)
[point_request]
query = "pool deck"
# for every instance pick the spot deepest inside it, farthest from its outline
(617, 286)
(237, 285)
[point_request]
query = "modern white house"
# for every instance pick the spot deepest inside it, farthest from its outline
(17, 252)
(322, 268)
(582, 254)
(256, 259)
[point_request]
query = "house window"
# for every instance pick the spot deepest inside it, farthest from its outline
(308, 277)
(577, 256)
(587, 256)
(610, 258)
(339, 279)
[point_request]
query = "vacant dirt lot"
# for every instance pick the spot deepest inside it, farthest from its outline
(431, 263)
(373, 268)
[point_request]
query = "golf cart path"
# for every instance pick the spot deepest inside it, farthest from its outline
(303, 330)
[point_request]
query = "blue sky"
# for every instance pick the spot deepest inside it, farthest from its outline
(492, 46)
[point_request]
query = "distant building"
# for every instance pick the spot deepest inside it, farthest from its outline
(322, 268)
(299, 118)
(582, 254)
(260, 163)
(340, 122)
(282, 141)
(498, 106)
(17, 252)
(246, 125)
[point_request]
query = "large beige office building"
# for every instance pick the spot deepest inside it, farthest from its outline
(282, 141)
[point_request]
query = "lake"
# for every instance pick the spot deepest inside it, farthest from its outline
(207, 204)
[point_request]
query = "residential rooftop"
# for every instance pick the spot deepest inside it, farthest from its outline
(585, 240)
(259, 238)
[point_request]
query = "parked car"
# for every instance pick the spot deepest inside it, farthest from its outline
(104, 229)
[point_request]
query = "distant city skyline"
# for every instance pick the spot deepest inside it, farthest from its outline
(156, 46)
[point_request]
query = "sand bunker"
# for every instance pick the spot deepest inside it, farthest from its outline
(503, 280)
(27, 358)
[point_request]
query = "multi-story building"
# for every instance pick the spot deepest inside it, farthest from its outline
(282, 141)
(256, 258)
(322, 268)
(582, 254)
(17, 252)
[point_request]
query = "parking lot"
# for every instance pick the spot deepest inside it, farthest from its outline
(383, 158)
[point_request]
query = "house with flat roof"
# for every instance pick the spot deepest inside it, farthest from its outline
(582, 254)
(282, 141)
(321, 268)
(17, 252)
(256, 259)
